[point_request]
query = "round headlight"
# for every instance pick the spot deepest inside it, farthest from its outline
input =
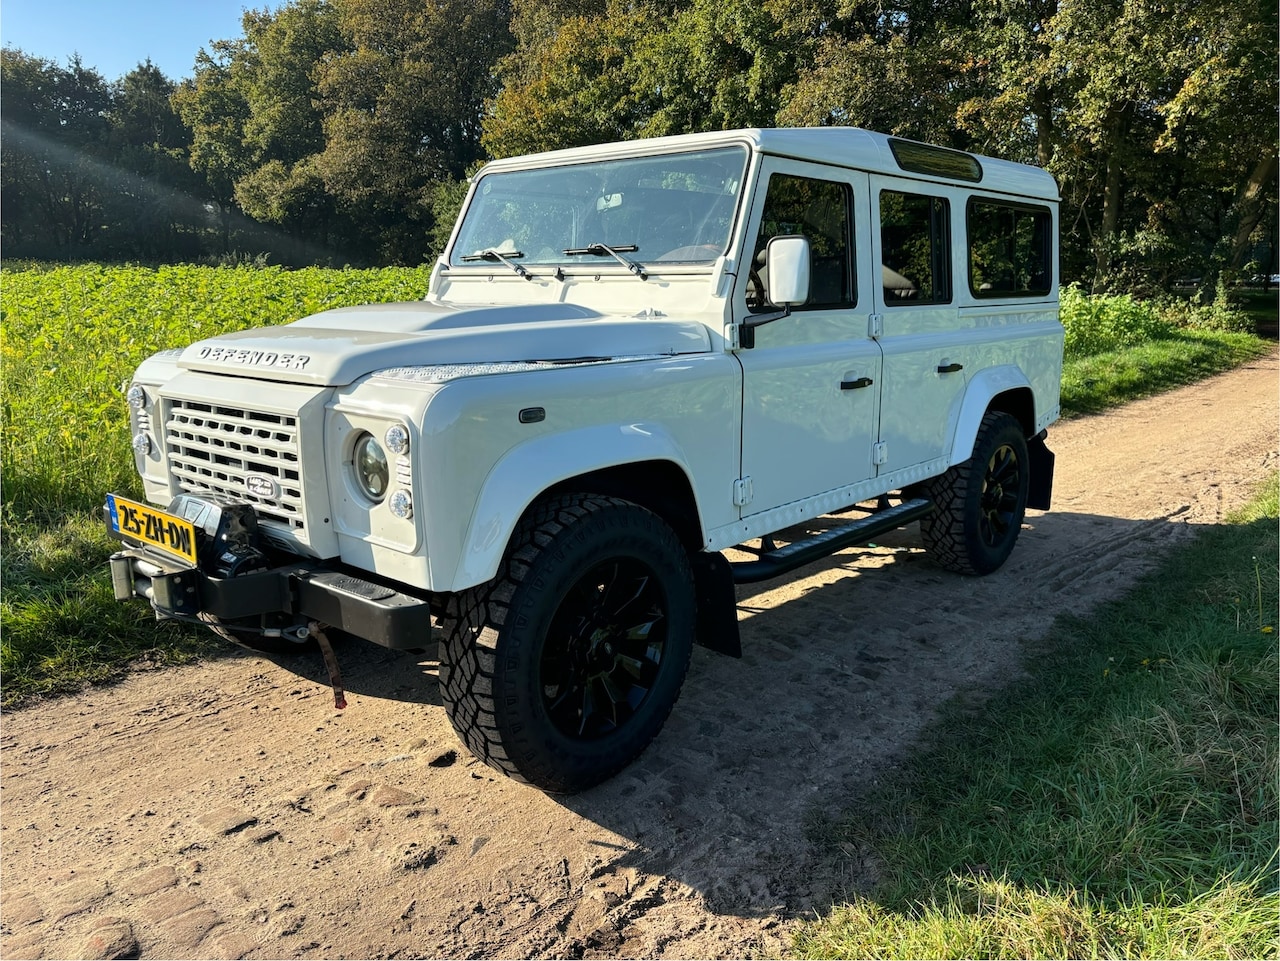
(401, 504)
(137, 397)
(370, 463)
(142, 444)
(397, 438)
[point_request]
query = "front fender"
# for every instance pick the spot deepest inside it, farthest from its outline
(527, 470)
(981, 390)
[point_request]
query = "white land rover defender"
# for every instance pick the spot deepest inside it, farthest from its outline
(632, 358)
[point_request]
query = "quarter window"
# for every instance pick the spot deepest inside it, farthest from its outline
(915, 248)
(1010, 249)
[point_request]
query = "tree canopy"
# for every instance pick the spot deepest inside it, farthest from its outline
(341, 129)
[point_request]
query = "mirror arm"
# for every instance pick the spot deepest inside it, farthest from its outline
(747, 329)
(759, 320)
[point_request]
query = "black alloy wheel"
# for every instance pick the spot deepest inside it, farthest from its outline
(1000, 503)
(604, 649)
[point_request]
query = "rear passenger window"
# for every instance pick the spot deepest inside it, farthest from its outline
(915, 248)
(1010, 249)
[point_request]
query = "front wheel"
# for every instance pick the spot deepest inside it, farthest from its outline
(560, 671)
(979, 505)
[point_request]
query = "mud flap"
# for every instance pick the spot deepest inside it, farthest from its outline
(717, 627)
(1041, 492)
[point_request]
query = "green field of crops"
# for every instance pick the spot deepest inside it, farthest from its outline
(70, 338)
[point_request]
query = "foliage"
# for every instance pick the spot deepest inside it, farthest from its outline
(1119, 801)
(1118, 348)
(611, 70)
(1101, 94)
(1094, 324)
(1098, 323)
(1218, 314)
(336, 121)
(89, 165)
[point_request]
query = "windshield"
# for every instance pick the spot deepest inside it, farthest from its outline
(673, 208)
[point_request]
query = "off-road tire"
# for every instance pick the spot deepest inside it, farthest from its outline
(979, 504)
(513, 649)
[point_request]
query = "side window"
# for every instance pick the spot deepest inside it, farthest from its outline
(1010, 249)
(916, 248)
(818, 209)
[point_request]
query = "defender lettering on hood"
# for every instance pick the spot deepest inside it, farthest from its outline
(338, 347)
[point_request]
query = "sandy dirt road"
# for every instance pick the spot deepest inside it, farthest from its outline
(224, 810)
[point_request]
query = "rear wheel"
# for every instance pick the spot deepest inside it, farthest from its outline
(561, 670)
(980, 503)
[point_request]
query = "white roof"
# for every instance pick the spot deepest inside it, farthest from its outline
(850, 147)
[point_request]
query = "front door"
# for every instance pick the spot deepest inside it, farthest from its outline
(811, 383)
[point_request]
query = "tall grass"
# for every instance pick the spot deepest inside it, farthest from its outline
(1122, 802)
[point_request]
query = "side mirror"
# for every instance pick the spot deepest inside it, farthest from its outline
(788, 270)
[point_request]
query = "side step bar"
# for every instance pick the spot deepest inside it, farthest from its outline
(800, 553)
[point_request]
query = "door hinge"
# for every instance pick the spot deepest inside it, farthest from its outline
(875, 326)
(742, 492)
(880, 453)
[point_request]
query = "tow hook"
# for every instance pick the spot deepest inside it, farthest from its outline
(316, 629)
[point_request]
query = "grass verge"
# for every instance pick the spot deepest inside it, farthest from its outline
(62, 626)
(1101, 381)
(1121, 802)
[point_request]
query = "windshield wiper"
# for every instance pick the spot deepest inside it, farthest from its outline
(490, 254)
(604, 250)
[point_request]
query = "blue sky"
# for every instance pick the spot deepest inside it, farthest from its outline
(115, 35)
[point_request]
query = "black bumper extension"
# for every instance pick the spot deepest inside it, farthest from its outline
(305, 592)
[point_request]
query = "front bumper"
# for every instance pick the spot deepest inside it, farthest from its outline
(301, 592)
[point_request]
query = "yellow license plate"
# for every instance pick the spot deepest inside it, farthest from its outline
(146, 525)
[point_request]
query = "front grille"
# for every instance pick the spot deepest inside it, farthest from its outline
(213, 447)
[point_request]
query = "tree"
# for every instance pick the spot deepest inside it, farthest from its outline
(614, 70)
(152, 200)
(55, 145)
(402, 109)
(214, 106)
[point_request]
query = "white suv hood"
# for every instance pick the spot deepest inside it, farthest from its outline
(338, 347)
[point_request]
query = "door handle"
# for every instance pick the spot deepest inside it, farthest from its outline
(949, 368)
(856, 384)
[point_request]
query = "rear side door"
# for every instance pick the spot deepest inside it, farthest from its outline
(926, 355)
(811, 383)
